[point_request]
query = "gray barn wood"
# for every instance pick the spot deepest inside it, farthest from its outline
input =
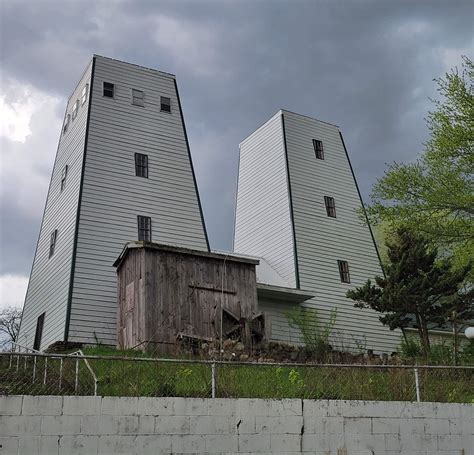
(167, 292)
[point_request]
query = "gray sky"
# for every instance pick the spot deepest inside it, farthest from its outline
(366, 66)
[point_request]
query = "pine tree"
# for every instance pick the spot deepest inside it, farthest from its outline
(418, 290)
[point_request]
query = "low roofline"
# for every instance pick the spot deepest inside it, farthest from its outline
(180, 250)
(289, 295)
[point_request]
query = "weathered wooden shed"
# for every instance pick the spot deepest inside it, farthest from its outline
(167, 292)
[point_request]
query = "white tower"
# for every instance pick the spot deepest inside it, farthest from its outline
(123, 172)
(297, 203)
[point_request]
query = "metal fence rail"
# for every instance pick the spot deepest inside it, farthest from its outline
(79, 374)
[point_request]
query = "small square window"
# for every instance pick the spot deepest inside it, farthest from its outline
(138, 98)
(344, 271)
(330, 206)
(109, 90)
(63, 177)
(318, 149)
(84, 93)
(141, 165)
(165, 104)
(75, 109)
(52, 242)
(144, 228)
(67, 120)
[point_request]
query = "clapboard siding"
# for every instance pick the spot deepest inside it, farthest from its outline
(113, 196)
(322, 240)
(262, 220)
(49, 281)
(263, 226)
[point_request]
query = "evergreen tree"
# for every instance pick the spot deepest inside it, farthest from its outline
(419, 289)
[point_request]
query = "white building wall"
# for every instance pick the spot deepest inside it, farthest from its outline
(322, 240)
(264, 226)
(113, 196)
(49, 280)
(263, 219)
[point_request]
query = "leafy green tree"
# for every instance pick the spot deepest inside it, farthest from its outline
(435, 194)
(418, 289)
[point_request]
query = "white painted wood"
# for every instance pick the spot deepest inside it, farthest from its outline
(262, 219)
(49, 281)
(320, 240)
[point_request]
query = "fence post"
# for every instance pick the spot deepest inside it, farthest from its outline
(417, 385)
(76, 383)
(213, 380)
(34, 369)
(61, 374)
(45, 370)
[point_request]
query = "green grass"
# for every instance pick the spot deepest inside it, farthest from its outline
(142, 378)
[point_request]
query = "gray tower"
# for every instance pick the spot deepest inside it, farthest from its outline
(123, 172)
(297, 204)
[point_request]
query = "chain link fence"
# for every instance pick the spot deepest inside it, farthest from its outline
(78, 374)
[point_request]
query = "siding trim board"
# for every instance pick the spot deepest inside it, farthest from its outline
(362, 203)
(290, 199)
(191, 164)
(76, 229)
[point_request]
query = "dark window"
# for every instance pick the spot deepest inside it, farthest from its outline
(165, 104)
(344, 271)
(52, 242)
(138, 98)
(141, 165)
(330, 206)
(144, 228)
(84, 94)
(318, 149)
(39, 332)
(66, 122)
(63, 177)
(75, 109)
(109, 90)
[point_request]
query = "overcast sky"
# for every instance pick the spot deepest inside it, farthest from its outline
(366, 66)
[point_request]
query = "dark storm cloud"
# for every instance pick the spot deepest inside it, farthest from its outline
(366, 66)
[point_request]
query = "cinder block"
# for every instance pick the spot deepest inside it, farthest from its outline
(279, 425)
(413, 426)
(286, 407)
(161, 406)
(153, 444)
(60, 425)
(146, 425)
(254, 443)
(78, 445)
(172, 425)
(90, 425)
(42, 405)
(212, 425)
(9, 446)
(466, 410)
(112, 444)
(371, 443)
(324, 425)
(285, 442)
(357, 425)
(10, 406)
(450, 442)
(321, 442)
(456, 427)
(82, 406)
(196, 406)
(245, 424)
(122, 425)
(433, 426)
(49, 445)
(221, 443)
(222, 406)
(253, 406)
(20, 425)
(385, 425)
(188, 443)
(315, 408)
(30, 445)
(119, 406)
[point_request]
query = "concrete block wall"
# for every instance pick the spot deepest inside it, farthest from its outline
(124, 425)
